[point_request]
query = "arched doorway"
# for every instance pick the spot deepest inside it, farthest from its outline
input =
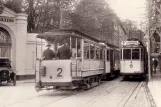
(5, 43)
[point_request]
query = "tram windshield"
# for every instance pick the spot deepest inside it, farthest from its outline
(131, 54)
(126, 53)
(135, 53)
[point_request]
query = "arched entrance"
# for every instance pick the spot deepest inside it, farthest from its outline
(5, 43)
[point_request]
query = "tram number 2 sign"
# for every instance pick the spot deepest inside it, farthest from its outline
(60, 70)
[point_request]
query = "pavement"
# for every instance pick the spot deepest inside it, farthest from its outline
(26, 81)
(155, 88)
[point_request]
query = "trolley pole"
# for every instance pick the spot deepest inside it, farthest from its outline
(149, 47)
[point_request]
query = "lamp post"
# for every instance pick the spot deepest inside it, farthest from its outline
(149, 48)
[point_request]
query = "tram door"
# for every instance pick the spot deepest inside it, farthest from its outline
(112, 60)
(5, 44)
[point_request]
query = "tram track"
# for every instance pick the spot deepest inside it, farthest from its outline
(74, 92)
(87, 91)
(30, 98)
(133, 91)
(108, 90)
(89, 98)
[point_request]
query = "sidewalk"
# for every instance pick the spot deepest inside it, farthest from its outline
(26, 81)
(155, 87)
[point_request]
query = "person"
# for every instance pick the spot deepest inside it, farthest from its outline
(155, 64)
(64, 52)
(48, 54)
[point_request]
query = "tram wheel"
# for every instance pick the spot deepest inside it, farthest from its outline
(125, 77)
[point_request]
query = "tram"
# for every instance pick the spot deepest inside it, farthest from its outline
(88, 64)
(134, 59)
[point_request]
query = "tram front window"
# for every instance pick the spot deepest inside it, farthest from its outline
(126, 53)
(135, 53)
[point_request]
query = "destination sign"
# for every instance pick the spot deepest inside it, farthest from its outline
(6, 19)
(130, 43)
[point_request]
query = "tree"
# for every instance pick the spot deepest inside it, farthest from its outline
(95, 18)
(46, 15)
(132, 30)
(15, 5)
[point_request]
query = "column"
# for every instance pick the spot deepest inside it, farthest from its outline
(21, 39)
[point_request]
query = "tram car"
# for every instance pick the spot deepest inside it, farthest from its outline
(134, 59)
(88, 63)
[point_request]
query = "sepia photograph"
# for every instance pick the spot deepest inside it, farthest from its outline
(80, 53)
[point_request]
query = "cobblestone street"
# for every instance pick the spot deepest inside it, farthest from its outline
(114, 93)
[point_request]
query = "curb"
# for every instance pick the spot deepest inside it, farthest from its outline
(150, 97)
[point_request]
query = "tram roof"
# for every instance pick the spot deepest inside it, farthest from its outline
(65, 32)
(53, 34)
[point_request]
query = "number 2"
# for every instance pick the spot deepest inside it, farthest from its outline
(59, 74)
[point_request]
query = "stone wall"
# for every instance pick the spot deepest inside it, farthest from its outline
(30, 58)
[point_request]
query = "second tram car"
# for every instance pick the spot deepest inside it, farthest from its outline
(134, 59)
(90, 61)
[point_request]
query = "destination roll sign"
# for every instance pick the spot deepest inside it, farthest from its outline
(126, 43)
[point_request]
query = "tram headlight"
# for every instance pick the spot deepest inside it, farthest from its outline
(43, 70)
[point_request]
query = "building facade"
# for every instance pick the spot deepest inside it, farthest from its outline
(16, 43)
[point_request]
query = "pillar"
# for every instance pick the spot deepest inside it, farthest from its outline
(21, 39)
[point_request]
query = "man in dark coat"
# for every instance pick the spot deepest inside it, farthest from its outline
(48, 54)
(155, 65)
(64, 52)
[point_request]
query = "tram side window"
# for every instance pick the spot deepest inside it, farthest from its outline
(97, 53)
(126, 53)
(142, 54)
(104, 55)
(108, 52)
(86, 51)
(73, 46)
(101, 50)
(116, 55)
(121, 54)
(135, 53)
(92, 51)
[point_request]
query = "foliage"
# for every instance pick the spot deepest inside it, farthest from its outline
(132, 30)
(94, 17)
(15, 5)
(45, 15)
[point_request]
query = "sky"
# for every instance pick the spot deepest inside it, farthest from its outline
(134, 10)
